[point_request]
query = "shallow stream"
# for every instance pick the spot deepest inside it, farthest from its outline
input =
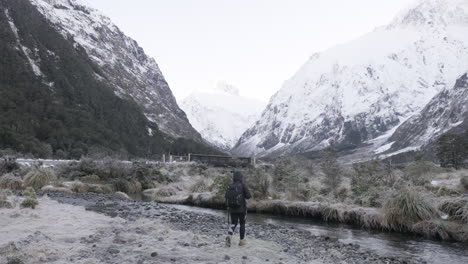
(385, 243)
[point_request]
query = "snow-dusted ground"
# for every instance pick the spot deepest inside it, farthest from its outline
(62, 233)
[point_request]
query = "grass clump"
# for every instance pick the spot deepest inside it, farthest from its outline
(406, 208)
(457, 209)
(90, 179)
(166, 191)
(29, 203)
(432, 229)
(122, 185)
(30, 192)
(38, 178)
(10, 181)
(201, 185)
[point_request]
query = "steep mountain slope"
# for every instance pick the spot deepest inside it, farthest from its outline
(222, 115)
(52, 102)
(124, 64)
(446, 111)
(360, 91)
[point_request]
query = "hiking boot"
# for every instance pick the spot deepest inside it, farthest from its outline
(242, 242)
(228, 241)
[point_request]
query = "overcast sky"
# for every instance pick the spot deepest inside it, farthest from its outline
(253, 44)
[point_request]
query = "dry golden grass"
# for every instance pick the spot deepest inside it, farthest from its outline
(406, 208)
(10, 181)
(38, 178)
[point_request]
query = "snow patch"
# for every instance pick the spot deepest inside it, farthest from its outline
(384, 148)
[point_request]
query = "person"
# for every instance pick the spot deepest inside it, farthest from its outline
(236, 195)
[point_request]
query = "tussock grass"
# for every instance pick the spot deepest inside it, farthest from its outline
(432, 229)
(406, 208)
(29, 203)
(165, 191)
(10, 181)
(126, 186)
(201, 185)
(91, 179)
(454, 207)
(30, 192)
(38, 178)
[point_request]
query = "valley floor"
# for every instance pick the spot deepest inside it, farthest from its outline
(91, 228)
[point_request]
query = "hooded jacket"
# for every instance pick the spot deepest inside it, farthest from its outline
(238, 178)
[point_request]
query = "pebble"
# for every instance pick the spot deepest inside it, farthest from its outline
(154, 254)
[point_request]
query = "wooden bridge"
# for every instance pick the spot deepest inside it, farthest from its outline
(215, 160)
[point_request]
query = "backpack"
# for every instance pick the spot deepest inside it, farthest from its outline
(235, 195)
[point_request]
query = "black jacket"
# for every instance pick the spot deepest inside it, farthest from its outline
(238, 179)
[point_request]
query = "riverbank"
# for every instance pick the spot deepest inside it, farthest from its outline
(112, 230)
(362, 217)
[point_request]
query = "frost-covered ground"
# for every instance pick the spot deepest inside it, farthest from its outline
(111, 230)
(63, 233)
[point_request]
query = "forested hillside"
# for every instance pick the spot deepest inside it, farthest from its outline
(52, 103)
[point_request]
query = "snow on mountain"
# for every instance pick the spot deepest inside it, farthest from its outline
(445, 111)
(359, 91)
(122, 62)
(222, 114)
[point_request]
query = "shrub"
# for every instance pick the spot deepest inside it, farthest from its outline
(29, 203)
(220, 184)
(332, 169)
(419, 172)
(8, 165)
(285, 174)
(406, 208)
(38, 178)
(10, 181)
(464, 182)
(370, 175)
(128, 187)
(259, 183)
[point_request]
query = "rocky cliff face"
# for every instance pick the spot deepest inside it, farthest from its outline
(446, 111)
(222, 114)
(360, 92)
(123, 63)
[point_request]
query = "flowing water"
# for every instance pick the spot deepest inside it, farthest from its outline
(392, 244)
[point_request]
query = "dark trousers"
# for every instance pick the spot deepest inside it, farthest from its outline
(235, 219)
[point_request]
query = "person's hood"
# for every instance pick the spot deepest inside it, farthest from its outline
(237, 177)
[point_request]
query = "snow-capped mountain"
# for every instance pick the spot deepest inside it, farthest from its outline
(447, 110)
(222, 115)
(363, 90)
(122, 62)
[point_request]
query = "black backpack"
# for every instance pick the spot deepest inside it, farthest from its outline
(235, 195)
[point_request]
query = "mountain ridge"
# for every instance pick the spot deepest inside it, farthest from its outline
(361, 90)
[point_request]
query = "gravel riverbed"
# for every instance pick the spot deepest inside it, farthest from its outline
(281, 244)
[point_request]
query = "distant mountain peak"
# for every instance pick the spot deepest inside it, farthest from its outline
(226, 88)
(433, 13)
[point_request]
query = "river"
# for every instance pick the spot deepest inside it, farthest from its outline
(385, 243)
